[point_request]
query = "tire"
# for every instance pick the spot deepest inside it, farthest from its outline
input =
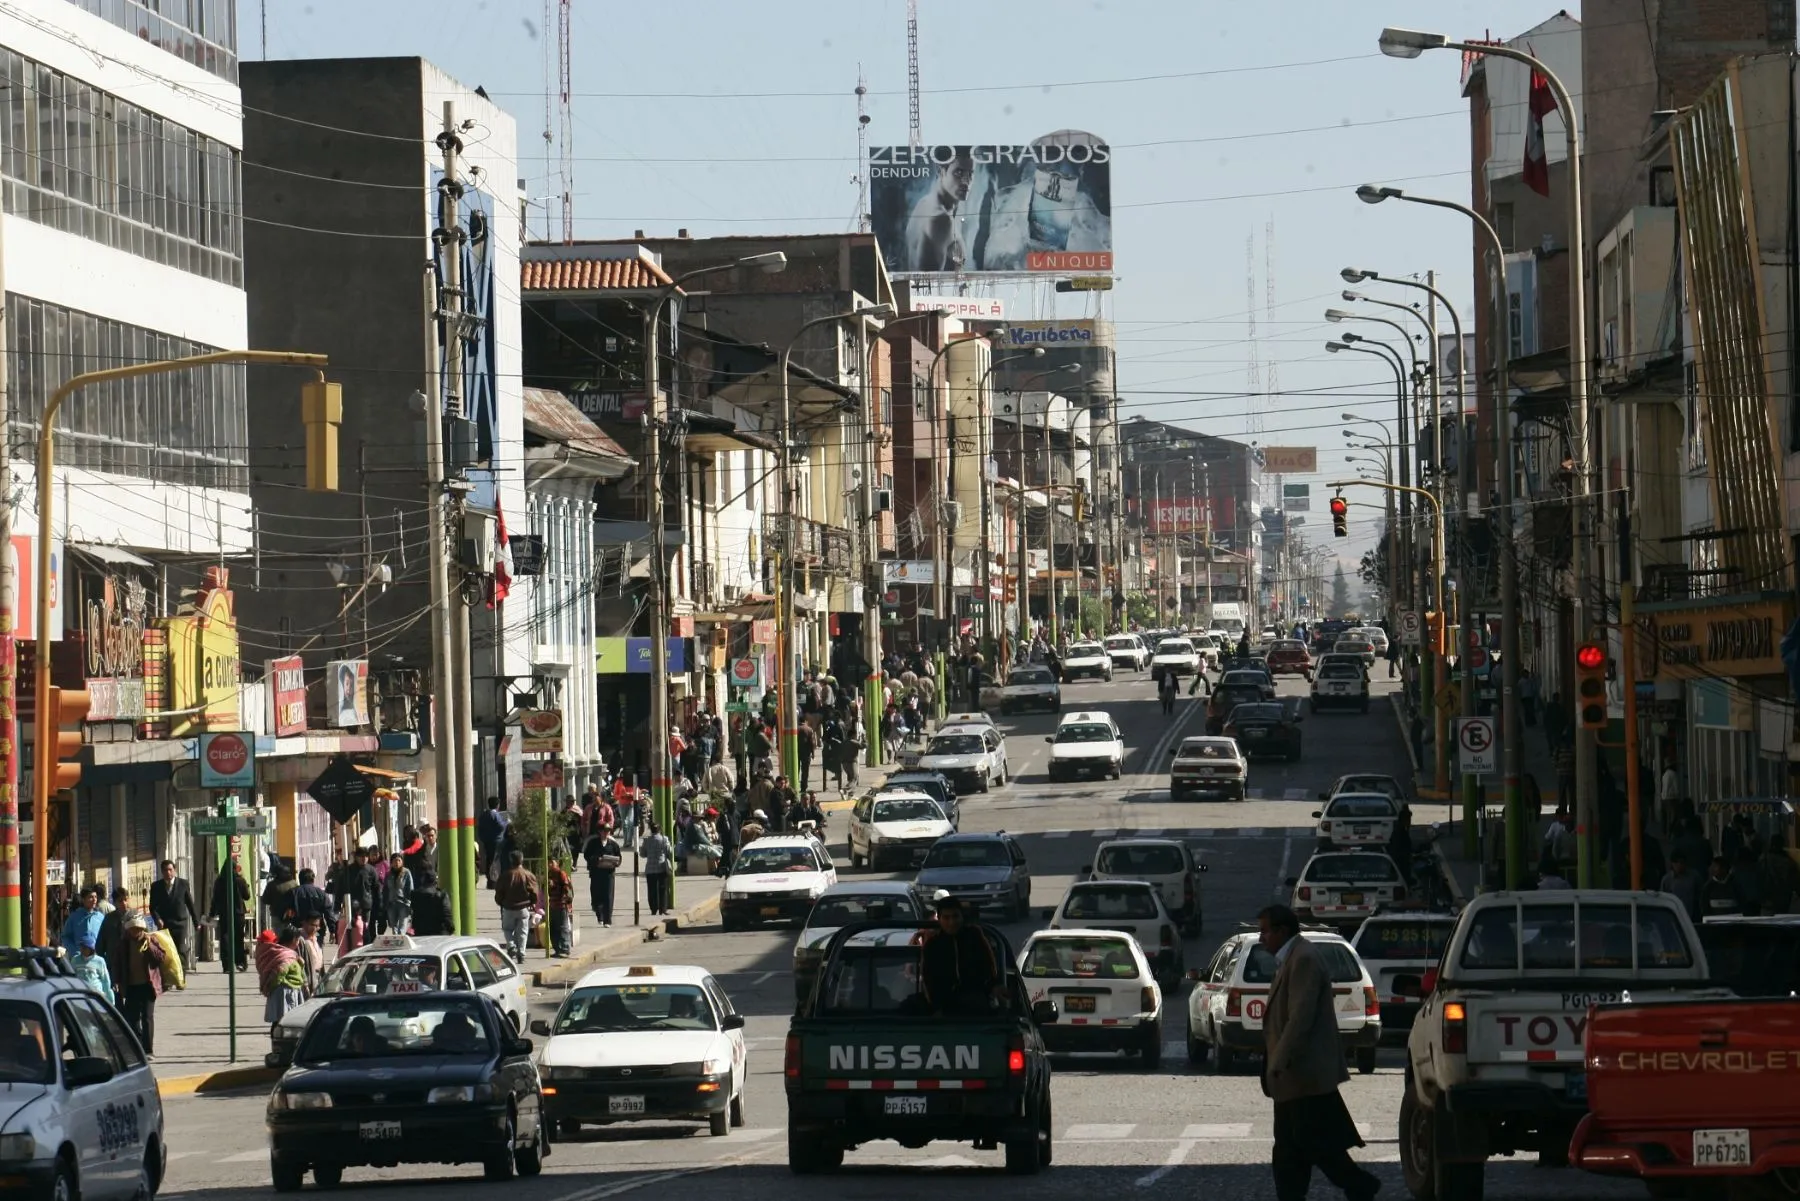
(1427, 1177)
(737, 1110)
(568, 1128)
(529, 1161)
(857, 861)
(984, 784)
(1115, 773)
(719, 1124)
(1197, 1050)
(1224, 1059)
(1365, 1060)
(810, 1154)
(1151, 1049)
(499, 1165)
(330, 1175)
(286, 1175)
(1025, 1156)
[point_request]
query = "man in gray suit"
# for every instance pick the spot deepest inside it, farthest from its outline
(1303, 1066)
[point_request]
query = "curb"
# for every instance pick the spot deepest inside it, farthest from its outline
(567, 971)
(217, 1082)
(1444, 868)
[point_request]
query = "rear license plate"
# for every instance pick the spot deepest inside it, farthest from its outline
(382, 1131)
(1254, 733)
(771, 910)
(1351, 898)
(1360, 830)
(914, 1107)
(1081, 1004)
(624, 1105)
(1722, 1147)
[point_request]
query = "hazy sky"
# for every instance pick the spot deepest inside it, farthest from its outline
(737, 117)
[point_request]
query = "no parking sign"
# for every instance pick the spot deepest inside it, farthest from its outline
(1475, 750)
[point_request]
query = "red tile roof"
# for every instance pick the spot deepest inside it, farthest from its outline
(591, 275)
(552, 416)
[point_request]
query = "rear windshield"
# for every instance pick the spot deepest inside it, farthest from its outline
(1141, 861)
(1340, 671)
(1352, 869)
(833, 912)
(1256, 713)
(1286, 644)
(1175, 646)
(1085, 732)
(1208, 750)
(1547, 936)
(1242, 679)
(967, 854)
(1381, 784)
(1031, 675)
(1101, 903)
(1082, 959)
(1360, 806)
(1122, 644)
(956, 744)
(1403, 940)
(1339, 960)
(907, 809)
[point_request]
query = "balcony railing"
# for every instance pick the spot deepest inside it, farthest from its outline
(815, 542)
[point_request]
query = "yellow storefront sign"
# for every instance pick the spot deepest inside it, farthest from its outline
(609, 656)
(1735, 637)
(203, 662)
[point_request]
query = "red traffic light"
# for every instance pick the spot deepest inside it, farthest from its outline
(1590, 657)
(1339, 506)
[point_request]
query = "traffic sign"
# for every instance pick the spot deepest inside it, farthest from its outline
(1409, 627)
(746, 672)
(341, 790)
(212, 825)
(1475, 746)
(1476, 659)
(227, 760)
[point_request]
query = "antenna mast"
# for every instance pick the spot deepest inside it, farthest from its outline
(1253, 386)
(566, 168)
(1271, 374)
(913, 137)
(862, 151)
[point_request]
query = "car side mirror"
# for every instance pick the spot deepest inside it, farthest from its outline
(1409, 986)
(519, 1046)
(733, 1021)
(1292, 880)
(1043, 1013)
(1050, 738)
(540, 1026)
(85, 1070)
(1193, 973)
(1084, 871)
(1318, 813)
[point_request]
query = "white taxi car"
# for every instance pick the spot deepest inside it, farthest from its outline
(895, 829)
(1207, 647)
(1208, 766)
(1341, 888)
(1342, 684)
(1088, 741)
(642, 1043)
(843, 905)
(1106, 994)
(1127, 650)
(1231, 994)
(775, 879)
(1129, 905)
(1176, 655)
(1087, 659)
(1377, 638)
(1166, 863)
(1366, 782)
(1395, 943)
(398, 963)
(1357, 820)
(970, 757)
(82, 1116)
(1031, 686)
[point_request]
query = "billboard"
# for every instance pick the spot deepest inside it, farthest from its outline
(973, 308)
(945, 209)
(1186, 515)
(1286, 460)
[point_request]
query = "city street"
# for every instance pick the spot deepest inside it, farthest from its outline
(1121, 1130)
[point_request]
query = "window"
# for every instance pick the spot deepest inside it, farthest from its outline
(1402, 940)
(1340, 963)
(1503, 225)
(497, 960)
(79, 1019)
(24, 1044)
(459, 974)
(479, 971)
(200, 32)
(623, 1008)
(394, 1029)
(1105, 903)
(1142, 861)
(122, 1044)
(1082, 959)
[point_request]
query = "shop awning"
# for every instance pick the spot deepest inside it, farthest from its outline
(382, 773)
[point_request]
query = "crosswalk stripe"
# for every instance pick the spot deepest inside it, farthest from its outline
(1253, 794)
(1149, 833)
(1100, 1130)
(244, 1157)
(1295, 794)
(1217, 1130)
(1058, 833)
(1250, 832)
(1105, 833)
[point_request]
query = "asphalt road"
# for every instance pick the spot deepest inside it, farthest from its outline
(1121, 1131)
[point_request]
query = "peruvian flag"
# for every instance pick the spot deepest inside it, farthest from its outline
(502, 584)
(1541, 104)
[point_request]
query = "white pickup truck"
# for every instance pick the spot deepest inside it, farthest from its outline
(1494, 1060)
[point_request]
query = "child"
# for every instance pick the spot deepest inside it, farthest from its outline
(93, 971)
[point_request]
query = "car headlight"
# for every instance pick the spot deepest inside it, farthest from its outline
(547, 1072)
(452, 1094)
(996, 886)
(302, 1100)
(732, 894)
(715, 1067)
(17, 1146)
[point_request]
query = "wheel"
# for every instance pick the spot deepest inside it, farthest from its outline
(984, 784)
(809, 1154)
(1365, 1060)
(529, 1161)
(719, 1124)
(1025, 1155)
(737, 1110)
(1197, 1050)
(857, 860)
(1115, 773)
(152, 1178)
(499, 1165)
(330, 1175)
(1427, 1177)
(1224, 1058)
(1151, 1049)
(63, 1187)
(568, 1128)
(286, 1175)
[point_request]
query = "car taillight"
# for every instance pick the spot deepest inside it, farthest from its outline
(1168, 936)
(1305, 893)
(1399, 892)
(1015, 1057)
(1146, 1000)
(1234, 1003)
(1456, 1028)
(1371, 1003)
(790, 1060)
(1428, 982)
(1325, 827)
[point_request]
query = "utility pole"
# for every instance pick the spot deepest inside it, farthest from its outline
(1436, 714)
(463, 728)
(874, 696)
(451, 866)
(1049, 512)
(662, 782)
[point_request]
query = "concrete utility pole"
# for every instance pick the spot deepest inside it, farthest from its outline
(450, 866)
(463, 718)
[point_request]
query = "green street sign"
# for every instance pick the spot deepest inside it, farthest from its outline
(223, 827)
(737, 706)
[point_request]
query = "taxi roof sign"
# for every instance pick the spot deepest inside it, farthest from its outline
(641, 969)
(392, 942)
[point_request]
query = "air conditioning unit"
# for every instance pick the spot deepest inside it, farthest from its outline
(953, 513)
(477, 550)
(884, 500)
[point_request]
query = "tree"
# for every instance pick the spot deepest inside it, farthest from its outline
(1340, 592)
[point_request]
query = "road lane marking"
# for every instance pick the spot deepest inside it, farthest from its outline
(1058, 833)
(1177, 1156)
(244, 1157)
(1281, 873)
(1294, 794)
(1250, 831)
(1156, 833)
(1097, 1131)
(762, 979)
(1104, 833)
(601, 1192)
(1206, 1131)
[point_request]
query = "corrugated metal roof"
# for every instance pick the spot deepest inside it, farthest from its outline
(552, 416)
(591, 275)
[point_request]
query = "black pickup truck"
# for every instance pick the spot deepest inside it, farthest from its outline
(867, 1058)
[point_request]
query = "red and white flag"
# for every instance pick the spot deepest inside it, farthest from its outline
(1540, 104)
(502, 584)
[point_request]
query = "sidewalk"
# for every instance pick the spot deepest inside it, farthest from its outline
(193, 1042)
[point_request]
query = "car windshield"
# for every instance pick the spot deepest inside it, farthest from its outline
(1351, 869)
(832, 912)
(956, 744)
(353, 1030)
(1382, 784)
(1175, 646)
(907, 809)
(1142, 860)
(1244, 713)
(1085, 732)
(1556, 935)
(625, 1008)
(1109, 902)
(1081, 959)
(983, 853)
(1086, 650)
(1393, 938)
(774, 859)
(1340, 671)
(25, 1045)
(1340, 961)
(1031, 675)
(1360, 806)
(1242, 679)
(1121, 644)
(1208, 750)
(373, 975)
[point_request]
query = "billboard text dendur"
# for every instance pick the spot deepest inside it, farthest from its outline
(948, 209)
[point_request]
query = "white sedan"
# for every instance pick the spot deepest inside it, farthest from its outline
(775, 879)
(1176, 655)
(895, 829)
(1127, 650)
(643, 1043)
(970, 757)
(1133, 906)
(1086, 742)
(1087, 659)
(1105, 992)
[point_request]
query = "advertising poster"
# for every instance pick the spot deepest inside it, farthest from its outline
(950, 209)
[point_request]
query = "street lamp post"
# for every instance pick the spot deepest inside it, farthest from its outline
(1393, 537)
(1410, 43)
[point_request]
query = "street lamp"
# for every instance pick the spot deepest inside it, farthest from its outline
(984, 432)
(1049, 507)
